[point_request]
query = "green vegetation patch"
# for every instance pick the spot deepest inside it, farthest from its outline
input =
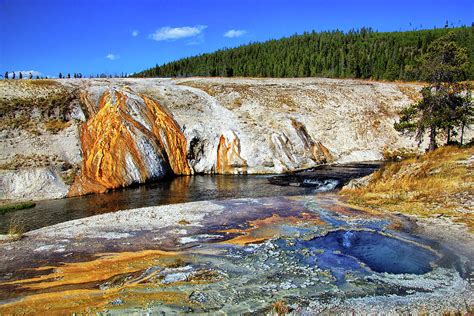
(17, 206)
(363, 53)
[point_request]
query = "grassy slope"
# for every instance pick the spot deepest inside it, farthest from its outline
(28, 104)
(439, 183)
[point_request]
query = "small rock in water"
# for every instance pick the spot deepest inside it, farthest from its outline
(181, 274)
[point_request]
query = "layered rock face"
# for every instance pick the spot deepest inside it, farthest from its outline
(228, 159)
(320, 153)
(39, 139)
(131, 139)
(284, 125)
(118, 132)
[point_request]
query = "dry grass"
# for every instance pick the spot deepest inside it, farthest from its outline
(42, 82)
(280, 307)
(439, 183)
(399, 154)
(19, 161)
(411, 92)
(209, 89)
(238, 102)
(16, 229)
(55, 126)
(183, 222)
(68, 176)
(286, 99)
(26, 103)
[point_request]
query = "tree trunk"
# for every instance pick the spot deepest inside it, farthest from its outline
(449, 136)
(462, 133)
(433, 145)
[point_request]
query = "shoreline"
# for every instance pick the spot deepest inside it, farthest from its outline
(179, 228)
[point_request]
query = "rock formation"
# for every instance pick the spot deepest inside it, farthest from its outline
(229, 160)
(319, 153)
(131, 139)
(94, 135)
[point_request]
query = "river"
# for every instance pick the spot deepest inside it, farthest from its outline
(187, 189)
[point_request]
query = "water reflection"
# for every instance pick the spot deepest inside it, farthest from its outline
(185, 189)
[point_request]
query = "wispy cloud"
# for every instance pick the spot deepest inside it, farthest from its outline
(112, 56)
(234, 33)
(135, 33)
(173, 33)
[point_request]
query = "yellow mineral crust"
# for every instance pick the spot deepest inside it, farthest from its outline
(264, 229)
(229, 160)
(169, 133)
(74, 287)
(128, 141)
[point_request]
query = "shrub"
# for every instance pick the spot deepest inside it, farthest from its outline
(16, 229)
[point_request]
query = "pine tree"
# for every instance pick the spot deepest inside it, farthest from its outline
(229, 72)
(445, 103)
(445, 61)
(465, 112)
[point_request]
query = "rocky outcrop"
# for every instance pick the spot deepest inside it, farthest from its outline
(358, 182)
(113, 133)
(319, 153)
(25, 183)
(131, 139)
(229, 160)
(39, 139)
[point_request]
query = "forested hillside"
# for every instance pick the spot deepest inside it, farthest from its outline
(356, 54)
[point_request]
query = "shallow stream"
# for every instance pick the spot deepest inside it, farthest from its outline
(187, 189)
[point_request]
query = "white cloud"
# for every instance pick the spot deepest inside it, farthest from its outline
(112, 56)
(234, 33)
(135, 33)
(172, 33)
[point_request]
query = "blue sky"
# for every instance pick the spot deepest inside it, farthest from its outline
(111, 36)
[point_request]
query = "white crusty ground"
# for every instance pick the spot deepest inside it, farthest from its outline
(123, 223)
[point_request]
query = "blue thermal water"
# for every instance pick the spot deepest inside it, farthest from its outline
(378, 252)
